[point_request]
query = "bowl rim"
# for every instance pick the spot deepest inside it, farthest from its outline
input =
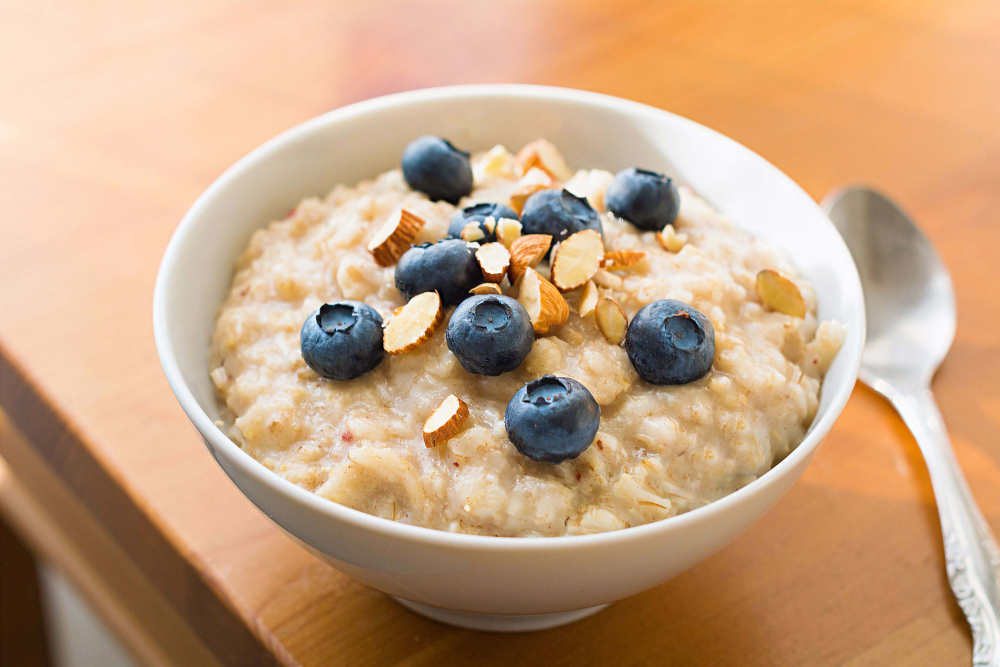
(224, 446)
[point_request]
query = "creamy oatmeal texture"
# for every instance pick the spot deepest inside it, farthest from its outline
(660, 450)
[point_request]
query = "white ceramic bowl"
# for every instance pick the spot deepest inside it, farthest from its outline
(473, 581)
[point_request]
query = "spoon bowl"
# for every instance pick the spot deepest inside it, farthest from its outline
(909, 301)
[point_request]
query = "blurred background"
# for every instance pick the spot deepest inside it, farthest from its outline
(115, 116)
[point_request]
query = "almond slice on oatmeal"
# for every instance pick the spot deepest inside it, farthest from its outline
(414, 324)
(544, 155)
(472, 233)
(577, 259)
(780, 294)
(508, 231)
(611, 320)
(533, 181)
(497, 161)
(588, 299)
(526, 252)
(395, 236)
(591, 184)
(486, 288)
(607, 280)
(621, 260)
(671, 239)
(546, 307)
(493, 259)
(447, 419)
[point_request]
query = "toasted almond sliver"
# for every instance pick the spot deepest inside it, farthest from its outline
(546, 307)
(493, 259)
(446, 420)
(607, 280)
(414, 324)
(671, 240)
(591, 184)
(532, 182)
(576, 260)
(495, 162)
(780, 294)
(486, 288)
(527, 252)
(394, 237)
(588, 299)
(619, 260)
(544, 155)
(611, 320)
(472, 233)
(508, 231)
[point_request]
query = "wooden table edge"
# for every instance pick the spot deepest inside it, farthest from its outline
(231, 631)
(62, 533)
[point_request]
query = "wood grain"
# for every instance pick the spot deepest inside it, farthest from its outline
(115, 116)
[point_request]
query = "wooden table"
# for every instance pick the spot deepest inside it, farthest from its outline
(115, 116)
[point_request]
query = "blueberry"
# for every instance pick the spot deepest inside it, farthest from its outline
(558, 213)
(448, 267)
(490, 334)
(669, 342)
(342, 340)
(479, 213)
(552, 419)
(438, 169)
(648, 200)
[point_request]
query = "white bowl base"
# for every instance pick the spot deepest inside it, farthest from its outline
(499, 622)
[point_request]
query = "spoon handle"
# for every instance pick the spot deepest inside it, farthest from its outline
(971, 555)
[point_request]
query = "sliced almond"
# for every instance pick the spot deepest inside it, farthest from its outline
(446, 420)
(493, 259)
(490, 224)
(611, 320)
(608, 280)
(414, 324)
(508, 231)
(544, 155)
(588, 299)
(619, 260)
(472, 233)
(671, 240)
(497, 161)
(395, 236)
(780, 294)
(546, 307)
(591, 183)
(526, 252)
(486, 288)
(532, 182)
(576, 260)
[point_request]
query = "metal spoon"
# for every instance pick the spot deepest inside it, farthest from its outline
(911, 324)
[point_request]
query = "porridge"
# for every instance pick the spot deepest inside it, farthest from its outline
(415, 437)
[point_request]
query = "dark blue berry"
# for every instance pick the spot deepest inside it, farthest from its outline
(342, 340)
(447, 267)
(558, 213)
(648, 200)
(438, 169)
(552, 419)
(490, 334)
(669, 342)
(479, 213)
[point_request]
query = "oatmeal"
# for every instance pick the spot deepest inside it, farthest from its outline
(659, 450)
